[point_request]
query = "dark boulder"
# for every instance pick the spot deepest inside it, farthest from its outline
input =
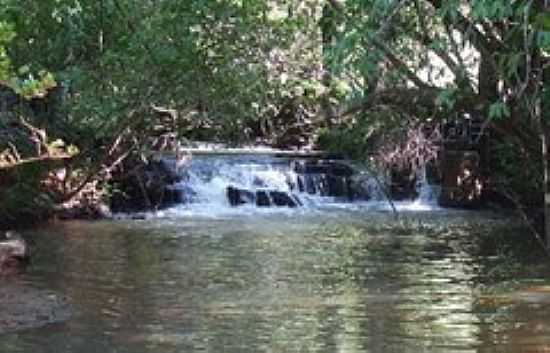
(281, 198)
(14, 253)
(237, 196)
(325, 178)
(165, 169)
(183, 193)
(362, 187)
(341, 170)
(338, 186)
(323, 167)
(149, 186)
(261, 198)
(462, 184)
(402, 185)
(307, 183)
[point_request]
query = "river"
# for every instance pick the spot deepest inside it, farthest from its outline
(338, 281)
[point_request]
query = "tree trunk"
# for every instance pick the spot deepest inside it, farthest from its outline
(488, 81)
(546, 164)
(542, 112)
(545, 137)
(329, 29)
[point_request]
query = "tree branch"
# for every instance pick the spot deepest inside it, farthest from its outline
(399, 64)
(337, 5)
(458, 71)
(415, 101)
(484, 43)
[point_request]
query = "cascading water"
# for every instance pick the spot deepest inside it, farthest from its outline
(207, 179)
(218, 184)
(427, 194)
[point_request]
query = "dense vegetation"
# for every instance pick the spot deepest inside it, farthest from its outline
(88, 85)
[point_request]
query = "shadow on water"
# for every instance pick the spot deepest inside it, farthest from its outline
(340, 282)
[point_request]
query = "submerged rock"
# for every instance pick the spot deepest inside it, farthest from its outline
(14, 253)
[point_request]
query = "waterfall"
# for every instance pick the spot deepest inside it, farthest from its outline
(269, 183)
(428, 194)
(207, 178)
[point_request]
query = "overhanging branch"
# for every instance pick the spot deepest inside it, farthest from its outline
(415, 101)
(399, 64)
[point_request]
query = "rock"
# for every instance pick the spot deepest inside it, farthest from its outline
(14, 253)
(261, 198)
(148, 187)
(183, 193)
(306, 183)
(281, 198)
(338, 186)
(164, 168)
(103, 211)
(238, 197)
(402, 185)
(363, 187)
(323, 167)
(84, 210)
(462, 184)
(325, 178)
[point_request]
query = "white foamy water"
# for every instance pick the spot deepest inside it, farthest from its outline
(207, 178)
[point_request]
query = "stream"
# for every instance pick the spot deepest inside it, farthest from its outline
(328, 276)
(344, 281)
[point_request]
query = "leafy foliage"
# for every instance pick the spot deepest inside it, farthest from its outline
(129, 76)
(6, 36)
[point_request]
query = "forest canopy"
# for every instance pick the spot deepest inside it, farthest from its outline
(100, 82)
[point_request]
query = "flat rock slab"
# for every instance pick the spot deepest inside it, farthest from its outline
(23, 307)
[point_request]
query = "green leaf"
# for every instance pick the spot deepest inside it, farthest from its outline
(542, 21)
(446, 98)
(499, 110)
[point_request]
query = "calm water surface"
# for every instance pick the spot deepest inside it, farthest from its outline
(338, 282)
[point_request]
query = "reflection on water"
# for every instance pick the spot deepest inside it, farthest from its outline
(276, 283)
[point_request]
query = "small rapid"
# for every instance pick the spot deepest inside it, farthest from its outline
(265, 183)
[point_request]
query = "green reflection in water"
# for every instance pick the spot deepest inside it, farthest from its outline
(316, 283)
